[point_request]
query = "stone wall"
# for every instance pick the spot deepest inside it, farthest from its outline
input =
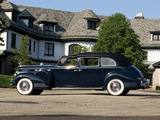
(156, 78)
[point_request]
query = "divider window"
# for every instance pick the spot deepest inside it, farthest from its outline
(89, 62)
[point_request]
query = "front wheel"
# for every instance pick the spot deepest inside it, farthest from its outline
(116, 87)
(25, 86)
(37, 91)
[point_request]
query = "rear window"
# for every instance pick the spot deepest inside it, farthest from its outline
(107, 62)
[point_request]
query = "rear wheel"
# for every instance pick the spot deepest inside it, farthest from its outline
(116, 87)
(25, 86)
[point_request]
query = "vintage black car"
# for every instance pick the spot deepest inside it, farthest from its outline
(106, 71)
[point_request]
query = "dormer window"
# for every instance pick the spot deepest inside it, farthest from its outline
(50, 28)
(155, 36)
(91, 24)
(92, 19)
(27, 18)
(14, 17)
(30, 24)
(10, 9)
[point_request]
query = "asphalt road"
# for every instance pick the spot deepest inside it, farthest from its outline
(79, 105)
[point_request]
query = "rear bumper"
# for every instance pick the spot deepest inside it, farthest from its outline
(145, 83)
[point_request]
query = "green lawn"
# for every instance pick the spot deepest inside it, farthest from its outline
(5, 80)
(158, 88)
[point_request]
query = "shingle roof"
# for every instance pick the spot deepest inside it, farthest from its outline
(2, 15)
(89, 14)
(74, 24)
(143, 27)
(26, 14)
(78, 26)
(46, 17)
(9, 6)
(63, 17)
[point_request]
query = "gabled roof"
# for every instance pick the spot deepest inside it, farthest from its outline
(89, 14)
(46, 18)
(8, 6)
(62, 17)
(78, 26)
(26, 14)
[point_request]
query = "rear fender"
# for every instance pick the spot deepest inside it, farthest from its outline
(129, 82)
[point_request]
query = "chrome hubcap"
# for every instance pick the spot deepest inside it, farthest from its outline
(25, 86)
(115, 86)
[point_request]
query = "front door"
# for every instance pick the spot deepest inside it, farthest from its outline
(65, 75)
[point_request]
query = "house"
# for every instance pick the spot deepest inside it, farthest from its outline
(54, 33)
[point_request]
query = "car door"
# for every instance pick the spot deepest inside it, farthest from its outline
(89, 73)
(65, 74)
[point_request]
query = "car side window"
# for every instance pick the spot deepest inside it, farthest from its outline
(107, 62)
(68, 62)
(89, 62)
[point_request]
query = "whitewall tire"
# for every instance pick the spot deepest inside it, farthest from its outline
(116, 87)
(25, 86)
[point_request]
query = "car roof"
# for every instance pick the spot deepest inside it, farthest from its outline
(120, 59)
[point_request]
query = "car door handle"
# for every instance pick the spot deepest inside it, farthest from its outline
(78, 70)
(75, 70)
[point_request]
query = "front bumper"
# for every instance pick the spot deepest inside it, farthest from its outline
(11, 82)
(145, 83)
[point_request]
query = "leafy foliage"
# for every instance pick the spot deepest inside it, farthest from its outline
(21, 53)
(80, 49)
(5, 80)
(2, 27)
(117, 36)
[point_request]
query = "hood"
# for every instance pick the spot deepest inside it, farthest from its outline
(35, 67)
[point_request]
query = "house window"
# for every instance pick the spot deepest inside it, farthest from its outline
(91, 25)
(30, 23)
(34, 46)
(49, 49)
(156, 36)
(14, 17)
(50, 28)
(30, 45)
(13, 41)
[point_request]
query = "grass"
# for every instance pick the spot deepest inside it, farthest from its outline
(5, 80)
(157, 87)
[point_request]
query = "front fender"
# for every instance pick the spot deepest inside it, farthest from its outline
(40, 79)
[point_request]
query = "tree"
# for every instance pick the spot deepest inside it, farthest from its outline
(21, 53)
(117, 36)
(80, 49)
(2, 26)
(76, 49)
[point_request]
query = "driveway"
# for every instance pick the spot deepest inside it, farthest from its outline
(80, 103)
